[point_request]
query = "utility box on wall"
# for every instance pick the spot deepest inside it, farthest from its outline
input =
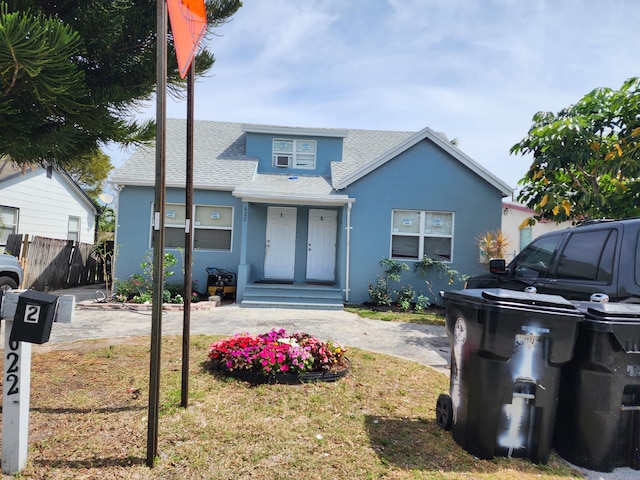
(34, 317)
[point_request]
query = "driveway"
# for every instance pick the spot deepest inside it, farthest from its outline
(426, 344)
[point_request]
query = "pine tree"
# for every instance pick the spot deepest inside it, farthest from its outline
(72, 74)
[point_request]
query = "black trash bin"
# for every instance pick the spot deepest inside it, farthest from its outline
(598, 423)
(507, 350)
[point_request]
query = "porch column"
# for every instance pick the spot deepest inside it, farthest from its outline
(244, 270)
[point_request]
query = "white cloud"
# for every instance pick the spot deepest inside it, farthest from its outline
(476, 70)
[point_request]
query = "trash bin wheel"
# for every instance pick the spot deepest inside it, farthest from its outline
(444, 411)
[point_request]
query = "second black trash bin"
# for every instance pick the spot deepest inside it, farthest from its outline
(598, 422)
(507, 350)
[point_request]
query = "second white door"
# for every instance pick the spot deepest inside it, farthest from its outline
(321, 245)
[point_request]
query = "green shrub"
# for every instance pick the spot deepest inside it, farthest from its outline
(145, 297)
(174, 288)
(139, 287)
(422, 303)
(125, 290)
(379, 293)
(431, 269)
(404, 298)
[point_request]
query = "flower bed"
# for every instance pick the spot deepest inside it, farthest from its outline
(278, 357)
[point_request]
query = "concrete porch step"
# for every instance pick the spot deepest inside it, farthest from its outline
(320, 297)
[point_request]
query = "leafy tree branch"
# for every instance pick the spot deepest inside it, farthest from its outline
(586, 158)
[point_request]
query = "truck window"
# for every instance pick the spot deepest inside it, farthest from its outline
(537, 257)
(588, 256)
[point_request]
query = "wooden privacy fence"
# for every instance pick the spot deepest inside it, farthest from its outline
(52, 264)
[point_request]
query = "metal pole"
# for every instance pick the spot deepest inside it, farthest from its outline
(158, 230)
(186, 327)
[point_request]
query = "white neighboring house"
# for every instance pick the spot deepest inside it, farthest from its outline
(44, 202)
(513, 214)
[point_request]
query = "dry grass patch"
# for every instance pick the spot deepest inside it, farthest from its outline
(89, 420)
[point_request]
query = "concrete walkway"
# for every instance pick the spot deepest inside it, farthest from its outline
(426, 344)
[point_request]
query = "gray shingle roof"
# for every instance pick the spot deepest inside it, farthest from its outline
(220, 162)
(219, 159)
(361, 147)
(303, 188)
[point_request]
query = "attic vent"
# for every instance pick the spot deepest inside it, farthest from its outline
(282, 161)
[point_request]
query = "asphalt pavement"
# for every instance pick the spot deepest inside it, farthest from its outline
(425, 344)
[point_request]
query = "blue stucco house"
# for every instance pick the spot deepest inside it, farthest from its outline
(303, 216)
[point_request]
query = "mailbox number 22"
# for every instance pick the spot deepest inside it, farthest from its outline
(13, 358)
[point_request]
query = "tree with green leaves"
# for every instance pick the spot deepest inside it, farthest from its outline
(90, 172)
(73, 73)
(586, 158)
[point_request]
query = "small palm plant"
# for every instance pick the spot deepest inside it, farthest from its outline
(493, 244)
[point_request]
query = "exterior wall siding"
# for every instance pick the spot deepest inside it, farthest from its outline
(133, 234)
(261, 145)
(421, 178)
(512, 216)
(45, 205)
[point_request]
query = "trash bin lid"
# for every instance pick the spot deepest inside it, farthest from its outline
(503, 295)
(512, 299)
(622, 320)
(610, 311)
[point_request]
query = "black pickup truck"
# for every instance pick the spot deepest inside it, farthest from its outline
(598, 258)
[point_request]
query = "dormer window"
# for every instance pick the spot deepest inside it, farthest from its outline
(294, 153)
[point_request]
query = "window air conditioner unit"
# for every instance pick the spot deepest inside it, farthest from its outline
(283, 161)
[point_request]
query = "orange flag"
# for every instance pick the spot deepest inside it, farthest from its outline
(188, 26)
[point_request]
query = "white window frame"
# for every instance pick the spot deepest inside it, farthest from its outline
(173, 210)
(423, 233)
(301, 153)
(197, 227)
(7, 228)
(174, 218)
(73, 233)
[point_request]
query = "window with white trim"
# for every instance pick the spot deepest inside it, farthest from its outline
(416, 233)
(212, 226)
(174, 222)
(8, 223)
(73, 229)
(294, 153)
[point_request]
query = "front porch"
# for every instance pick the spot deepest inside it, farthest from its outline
(302, 295)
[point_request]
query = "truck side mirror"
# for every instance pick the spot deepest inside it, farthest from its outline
(497, 266)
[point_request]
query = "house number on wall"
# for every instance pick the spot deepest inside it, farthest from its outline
(12, 360)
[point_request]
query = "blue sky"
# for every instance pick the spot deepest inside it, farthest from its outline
(476, 70)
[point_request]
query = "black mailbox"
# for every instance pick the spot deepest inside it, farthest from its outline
(34, 316)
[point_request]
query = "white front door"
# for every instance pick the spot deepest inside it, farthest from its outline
(280, 251)
(321, 245)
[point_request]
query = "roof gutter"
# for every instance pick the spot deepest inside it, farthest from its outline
(274, 198)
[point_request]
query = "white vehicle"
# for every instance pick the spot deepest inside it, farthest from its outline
(10, 272)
